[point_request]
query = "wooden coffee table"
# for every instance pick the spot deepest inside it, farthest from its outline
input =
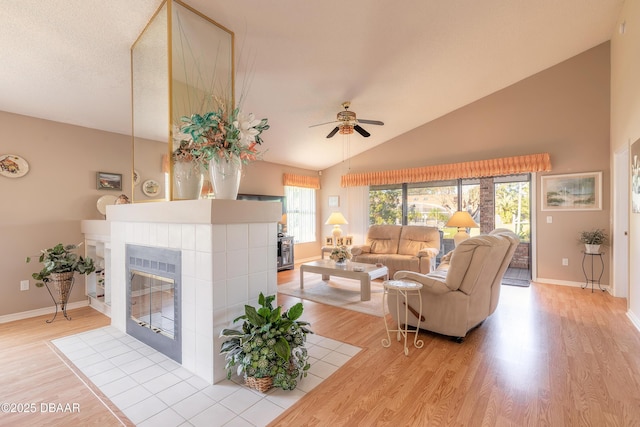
(328, 268)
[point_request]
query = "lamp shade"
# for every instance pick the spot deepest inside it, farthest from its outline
(336, 218)
(461, 219)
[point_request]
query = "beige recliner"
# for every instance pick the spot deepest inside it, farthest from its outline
(465, 289)
(400, 247)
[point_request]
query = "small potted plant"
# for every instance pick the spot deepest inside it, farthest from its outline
(340, 254)
(60, 264)
(593, 240)
(269, 350)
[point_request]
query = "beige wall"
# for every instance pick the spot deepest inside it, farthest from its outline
(563, 110)
(625, 123)
(45, 206)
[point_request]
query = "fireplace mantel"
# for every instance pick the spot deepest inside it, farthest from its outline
(205, 211)
(229, 256)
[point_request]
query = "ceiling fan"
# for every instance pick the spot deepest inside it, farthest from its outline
(348, 123)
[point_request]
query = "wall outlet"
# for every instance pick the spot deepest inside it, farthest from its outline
(565, 261)
(549, 219)
(24, 285)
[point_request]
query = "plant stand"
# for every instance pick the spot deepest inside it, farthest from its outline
(62, 284)
(591, 278)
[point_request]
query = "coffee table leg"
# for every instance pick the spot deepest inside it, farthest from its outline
(325, 277)
(365, 288)
(301, 278)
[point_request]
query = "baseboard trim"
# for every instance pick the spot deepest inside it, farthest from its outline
(40, 312)
(568, 283)
(634, 319)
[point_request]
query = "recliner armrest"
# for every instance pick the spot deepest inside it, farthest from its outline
(428, 252)
(430, 283)
(360, 249)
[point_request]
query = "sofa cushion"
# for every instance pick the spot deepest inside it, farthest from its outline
(383, 239)
(414, 238)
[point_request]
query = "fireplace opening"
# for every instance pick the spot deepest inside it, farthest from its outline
(153, 298)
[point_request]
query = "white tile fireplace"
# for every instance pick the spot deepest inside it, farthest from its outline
(228, 250)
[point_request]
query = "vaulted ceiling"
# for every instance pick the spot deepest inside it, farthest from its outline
(404, 63)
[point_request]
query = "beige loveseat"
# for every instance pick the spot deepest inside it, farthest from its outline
(408, 247)
(465, 288)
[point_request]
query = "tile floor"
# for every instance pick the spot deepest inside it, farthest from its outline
(153, 390)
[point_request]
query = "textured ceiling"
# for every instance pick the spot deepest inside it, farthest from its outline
(404, 63)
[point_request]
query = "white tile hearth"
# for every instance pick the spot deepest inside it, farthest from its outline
(153, 390)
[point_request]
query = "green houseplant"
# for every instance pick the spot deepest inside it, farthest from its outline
(593, 239)
(60, 263)
(269, 349)
(61, 259)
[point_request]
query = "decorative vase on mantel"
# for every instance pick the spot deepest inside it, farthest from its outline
(225, 177)
(187, 180)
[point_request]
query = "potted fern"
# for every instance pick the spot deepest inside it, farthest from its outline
(593, 240)
(269, 349)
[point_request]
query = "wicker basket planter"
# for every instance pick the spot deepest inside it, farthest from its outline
(62, 283)
(260, 384)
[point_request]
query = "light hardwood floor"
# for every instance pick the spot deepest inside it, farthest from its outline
(550, 355)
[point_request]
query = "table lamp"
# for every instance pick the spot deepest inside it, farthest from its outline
(336, 219)
(462, 220)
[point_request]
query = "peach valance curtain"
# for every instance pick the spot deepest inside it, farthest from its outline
(301, 181)
(475, 169)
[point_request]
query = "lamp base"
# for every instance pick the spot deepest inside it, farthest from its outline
(460, 236)
(337, 233)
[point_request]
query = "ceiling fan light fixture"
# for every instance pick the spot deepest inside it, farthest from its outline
(346, 129)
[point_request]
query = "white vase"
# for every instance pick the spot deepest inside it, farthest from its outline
(592, 249)
(225, 177)
(187, 180)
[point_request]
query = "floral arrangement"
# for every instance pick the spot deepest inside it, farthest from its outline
(270, 344)
(221, 136)
(340, 254)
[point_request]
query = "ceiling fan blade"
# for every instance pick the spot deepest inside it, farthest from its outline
(321, 124)
(333, 132)
(371, 122)
(361, 131)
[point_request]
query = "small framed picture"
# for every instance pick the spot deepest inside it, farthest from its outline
(334, 201)
(328, 241)
(108, 181)
(340, 241)
(348, 241)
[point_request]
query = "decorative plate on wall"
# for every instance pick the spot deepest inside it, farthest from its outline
(104, 201)
(13, 166)
(150, 187)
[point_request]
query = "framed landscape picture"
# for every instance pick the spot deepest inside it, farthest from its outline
(108, 181)
(572, 192)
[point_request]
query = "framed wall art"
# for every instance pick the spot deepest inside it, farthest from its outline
(334, 201)
(572, 192)
(108, 181)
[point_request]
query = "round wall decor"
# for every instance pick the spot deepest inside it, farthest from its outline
(13, 166)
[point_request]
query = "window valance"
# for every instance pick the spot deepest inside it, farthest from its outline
(301, 181)
(475, 169)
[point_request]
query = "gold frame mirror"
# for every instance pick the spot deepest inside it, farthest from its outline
(181, 64)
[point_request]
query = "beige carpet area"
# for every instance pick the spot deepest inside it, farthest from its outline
(339, 292)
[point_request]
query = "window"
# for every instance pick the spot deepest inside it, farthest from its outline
(512, 205)
(301, 213)
(424, 203)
